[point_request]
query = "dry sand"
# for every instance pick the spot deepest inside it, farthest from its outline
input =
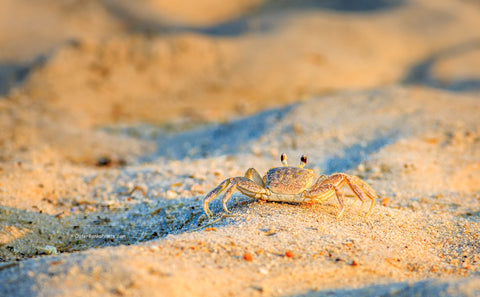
(116, 119)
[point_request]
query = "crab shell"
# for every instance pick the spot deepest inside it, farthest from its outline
(289, 180)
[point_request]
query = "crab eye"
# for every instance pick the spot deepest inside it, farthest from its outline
(283, 157)
(303, 159)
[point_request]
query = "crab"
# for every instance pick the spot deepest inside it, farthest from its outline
(291, 184)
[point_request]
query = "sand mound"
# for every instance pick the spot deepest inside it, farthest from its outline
(116, 119)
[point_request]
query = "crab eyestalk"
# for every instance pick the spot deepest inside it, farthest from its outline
(303, 161)
(283, 158)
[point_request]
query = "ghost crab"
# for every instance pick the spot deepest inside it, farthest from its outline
(291, 184)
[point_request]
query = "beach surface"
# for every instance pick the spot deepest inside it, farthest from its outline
(117, 119)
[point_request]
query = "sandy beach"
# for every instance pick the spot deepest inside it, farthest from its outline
(117, 119)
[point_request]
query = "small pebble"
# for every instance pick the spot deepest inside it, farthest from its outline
(48, 249)
(385, 201)
(248, 257)
(103, 161)
(361, 168)
(170, 194)
(263, 270)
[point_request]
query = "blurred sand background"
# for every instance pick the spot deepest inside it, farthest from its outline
(118, 116)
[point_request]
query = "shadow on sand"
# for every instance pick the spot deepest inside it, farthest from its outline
(257, 19)
(421, 72)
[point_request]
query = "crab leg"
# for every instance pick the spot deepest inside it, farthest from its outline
(253, 174)
(214, 193)
(242, 184)
(325, 191)
(361, 190)
(227, 196)
(246, 187)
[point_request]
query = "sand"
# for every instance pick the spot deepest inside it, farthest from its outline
(117, 119)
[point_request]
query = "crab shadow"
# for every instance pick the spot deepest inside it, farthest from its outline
(176, 216)
(129, 223)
